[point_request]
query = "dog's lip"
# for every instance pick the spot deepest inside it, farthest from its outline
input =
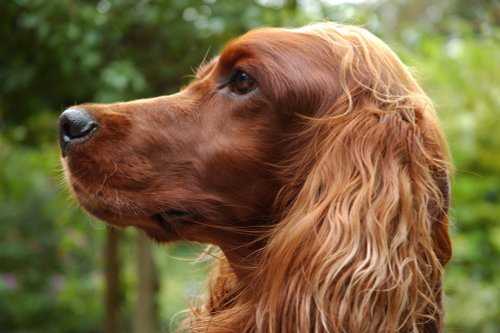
(171, 215)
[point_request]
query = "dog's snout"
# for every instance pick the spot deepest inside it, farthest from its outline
(75, 126)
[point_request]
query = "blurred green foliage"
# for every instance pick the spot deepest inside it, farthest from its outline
(55, 54)
(48, 257)
(459, 74)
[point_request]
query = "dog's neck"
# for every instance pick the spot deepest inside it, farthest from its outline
(242, 258)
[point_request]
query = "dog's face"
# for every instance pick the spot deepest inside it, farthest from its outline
(186, 165)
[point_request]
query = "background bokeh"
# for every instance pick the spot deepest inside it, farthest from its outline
(54, 54)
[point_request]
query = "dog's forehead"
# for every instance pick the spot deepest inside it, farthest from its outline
(262, 43)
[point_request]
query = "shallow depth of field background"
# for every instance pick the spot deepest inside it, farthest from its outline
(54, 54)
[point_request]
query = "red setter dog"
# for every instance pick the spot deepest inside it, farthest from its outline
(310, 156)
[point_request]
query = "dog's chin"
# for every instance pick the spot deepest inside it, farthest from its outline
(166, 225)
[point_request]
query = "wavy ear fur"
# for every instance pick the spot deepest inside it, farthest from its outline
(363, 246)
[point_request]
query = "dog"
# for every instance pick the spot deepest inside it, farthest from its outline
(311, 157)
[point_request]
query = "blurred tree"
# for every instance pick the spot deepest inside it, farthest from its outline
(146, 309)
(112, 278)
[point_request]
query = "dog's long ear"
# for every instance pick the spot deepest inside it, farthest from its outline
(364, 243)
(442, 242)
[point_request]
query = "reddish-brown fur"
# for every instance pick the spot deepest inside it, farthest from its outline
(325, 186)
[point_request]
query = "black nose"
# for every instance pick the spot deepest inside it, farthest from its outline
(75, 126)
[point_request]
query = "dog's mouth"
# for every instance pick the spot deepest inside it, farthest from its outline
(167, 218)
(172, 215)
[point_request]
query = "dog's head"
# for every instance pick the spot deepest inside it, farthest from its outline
(217, 153)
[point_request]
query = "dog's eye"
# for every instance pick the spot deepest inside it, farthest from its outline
(242, 83)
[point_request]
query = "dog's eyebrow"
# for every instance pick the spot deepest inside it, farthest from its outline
(205, 67)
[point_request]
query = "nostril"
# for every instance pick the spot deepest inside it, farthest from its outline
(75, 126)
